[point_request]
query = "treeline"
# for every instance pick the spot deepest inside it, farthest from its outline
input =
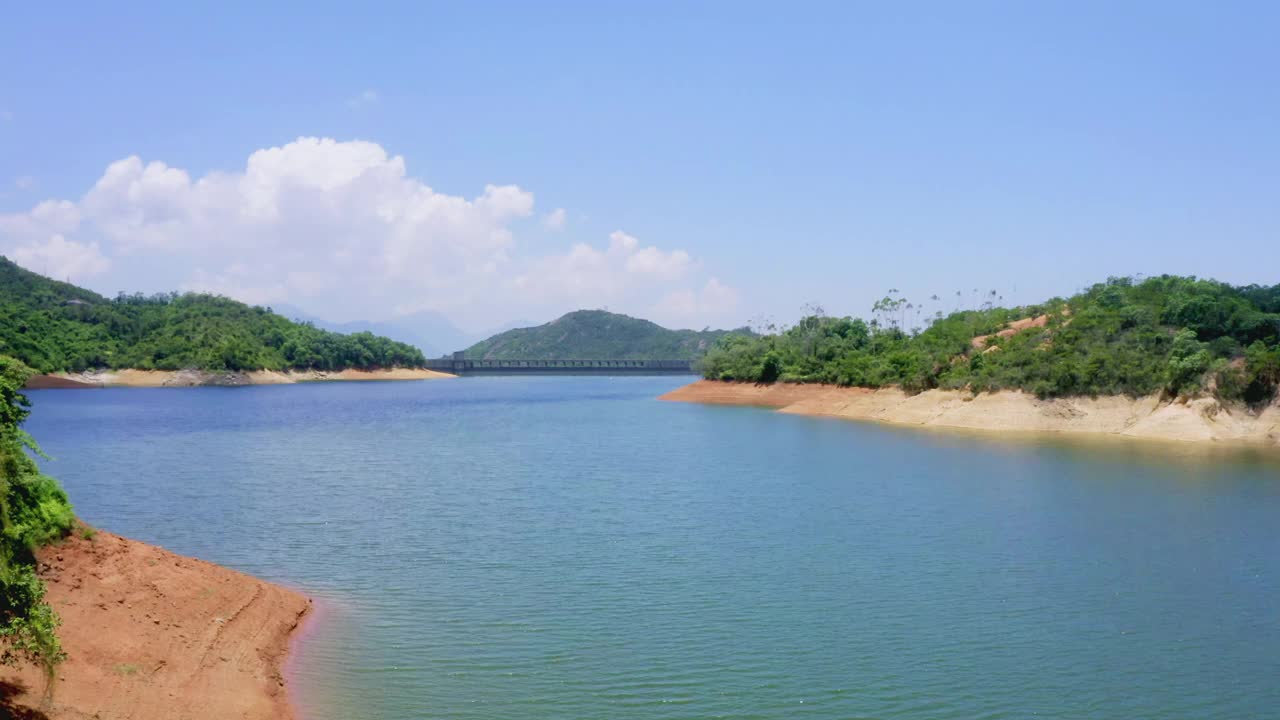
(54, 326)
(1169, 334)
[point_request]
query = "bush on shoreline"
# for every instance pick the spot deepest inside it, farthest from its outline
(34, 511)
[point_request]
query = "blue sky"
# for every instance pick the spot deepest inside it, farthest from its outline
(715, 162)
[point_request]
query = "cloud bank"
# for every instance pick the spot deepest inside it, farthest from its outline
(342, 229)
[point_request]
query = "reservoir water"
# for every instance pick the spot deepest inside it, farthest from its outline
(503, 548)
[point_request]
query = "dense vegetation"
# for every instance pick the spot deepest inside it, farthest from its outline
(596, 335)
(33, 511)
(1175, 335)
(54, 326)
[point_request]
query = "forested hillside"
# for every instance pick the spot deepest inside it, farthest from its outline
(54, 326)
(1176, 335)
(596, 335)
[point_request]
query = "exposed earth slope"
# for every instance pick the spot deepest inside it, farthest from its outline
(1189, 420)
(151, 634)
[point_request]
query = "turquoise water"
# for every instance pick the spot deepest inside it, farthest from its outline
(571, 548)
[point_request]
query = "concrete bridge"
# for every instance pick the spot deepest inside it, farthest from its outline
(459, 365)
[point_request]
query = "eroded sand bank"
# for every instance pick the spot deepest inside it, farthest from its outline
(151, 634)
(1199, 420)
(192, 378)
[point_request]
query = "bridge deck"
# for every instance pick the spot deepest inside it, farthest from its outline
(461, 366)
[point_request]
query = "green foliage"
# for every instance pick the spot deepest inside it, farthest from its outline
(1261, 374)
(1168, 334)
(33, 512)
(1189, 358)
(596, 335)
(53, 326)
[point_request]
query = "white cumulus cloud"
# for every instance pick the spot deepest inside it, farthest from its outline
(339, 228)
(60, 258)
(628, 275)
(649, 260)
(555, 219)
(713, 302)
(652, 261)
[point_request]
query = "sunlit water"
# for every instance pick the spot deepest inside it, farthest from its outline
(572, 548)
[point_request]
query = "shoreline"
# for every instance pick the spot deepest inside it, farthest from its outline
(92, 379)
(308, 626)
(149, 633)
(1201, 420)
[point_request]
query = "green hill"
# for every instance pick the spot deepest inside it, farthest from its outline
(596, 335)
(1179, 336)
(54, 326)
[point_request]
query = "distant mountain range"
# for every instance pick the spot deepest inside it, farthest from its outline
(597, 335)
(431, 332)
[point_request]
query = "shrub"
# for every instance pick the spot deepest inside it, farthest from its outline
(33, 511)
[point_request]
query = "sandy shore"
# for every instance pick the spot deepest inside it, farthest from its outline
(192, 378)
(1199, 420)
(150, 634)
